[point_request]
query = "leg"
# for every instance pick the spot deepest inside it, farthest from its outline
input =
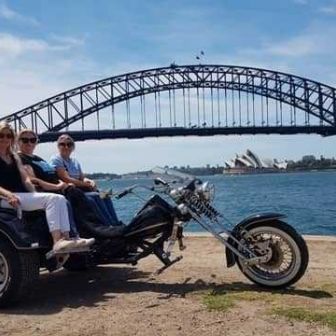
(54, 206)
(73, 228)
(100, 207)
(110, 208)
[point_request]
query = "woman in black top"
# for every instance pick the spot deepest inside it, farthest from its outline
(44, 177)
(17, 190)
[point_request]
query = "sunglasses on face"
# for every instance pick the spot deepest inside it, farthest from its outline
(66, 144)
(6, 135)
(27, 140)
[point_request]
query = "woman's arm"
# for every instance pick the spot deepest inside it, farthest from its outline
(43, 184)
(11, 198)
(64, 176)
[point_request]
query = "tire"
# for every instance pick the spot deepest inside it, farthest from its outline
(297, 247)
(19, 272)
(78, 263)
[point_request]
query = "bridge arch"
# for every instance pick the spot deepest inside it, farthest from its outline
(315, 101)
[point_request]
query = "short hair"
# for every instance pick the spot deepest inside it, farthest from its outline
(65, 137)
(26, 131)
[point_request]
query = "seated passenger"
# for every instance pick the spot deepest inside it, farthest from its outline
(44, 177)
(69, 170)
(16, 189)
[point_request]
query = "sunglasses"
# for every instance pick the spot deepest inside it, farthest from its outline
(66, 144)
(27, 140)
(6, 135)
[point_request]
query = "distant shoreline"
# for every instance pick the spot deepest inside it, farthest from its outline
(137, 175)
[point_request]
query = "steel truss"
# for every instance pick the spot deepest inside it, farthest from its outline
(55, 114)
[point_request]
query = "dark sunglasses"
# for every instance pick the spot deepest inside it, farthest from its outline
(27, 140)
(6, 135)
(66, 144)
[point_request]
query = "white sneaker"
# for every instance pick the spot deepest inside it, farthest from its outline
(64, 245)
(83, 242)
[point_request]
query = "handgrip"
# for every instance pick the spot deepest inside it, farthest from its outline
(122, 194)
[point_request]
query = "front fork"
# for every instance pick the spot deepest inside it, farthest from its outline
(231, 255)
(177, 234)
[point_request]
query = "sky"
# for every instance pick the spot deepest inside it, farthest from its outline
(47, 47)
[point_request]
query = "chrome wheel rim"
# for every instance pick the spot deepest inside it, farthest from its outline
(284, 261)
(4, 272)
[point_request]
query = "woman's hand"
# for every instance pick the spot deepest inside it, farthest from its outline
(34, 180)
(13, 200)
(90, 183)
(62, 186)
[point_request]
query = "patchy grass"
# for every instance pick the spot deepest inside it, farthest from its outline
(224, 300)
(327, 318)
(218, 302)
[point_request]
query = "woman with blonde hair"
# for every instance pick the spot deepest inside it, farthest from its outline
(17, 190)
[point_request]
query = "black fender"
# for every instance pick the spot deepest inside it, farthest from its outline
(243, 225)
(14, 230)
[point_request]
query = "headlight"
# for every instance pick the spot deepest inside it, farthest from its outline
(207, 191)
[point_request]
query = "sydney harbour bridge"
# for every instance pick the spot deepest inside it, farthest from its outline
(199, 100)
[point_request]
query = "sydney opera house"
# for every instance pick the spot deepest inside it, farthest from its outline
(251, 163)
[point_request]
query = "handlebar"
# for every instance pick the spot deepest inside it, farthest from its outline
(122, 194)
(130, 190)
(160, 183)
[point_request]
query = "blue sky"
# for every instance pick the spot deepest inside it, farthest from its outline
(50, 46)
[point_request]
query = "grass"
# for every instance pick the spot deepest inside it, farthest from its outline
(279, 303)
(223, 300)
(222, 303)
(327, 318)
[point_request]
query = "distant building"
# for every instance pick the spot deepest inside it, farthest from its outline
(308, 158)
(251, 163)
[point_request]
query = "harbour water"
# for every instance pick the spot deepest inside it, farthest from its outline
(308, 199)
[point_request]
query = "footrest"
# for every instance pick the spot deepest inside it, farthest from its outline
(52, 253)
(160, 270)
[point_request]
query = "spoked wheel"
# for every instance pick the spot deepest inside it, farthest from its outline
(287, 255)
(18, 273)
(4, 272)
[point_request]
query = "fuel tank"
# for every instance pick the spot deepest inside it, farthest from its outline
(155, 217)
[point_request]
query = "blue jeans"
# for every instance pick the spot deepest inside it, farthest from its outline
(73, 228)
(104, 208)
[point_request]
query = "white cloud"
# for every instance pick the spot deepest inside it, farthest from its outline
(296, 47)
(11, 15)
(315, 40)
(33, 69)
(68, 40)
(330, 10)
(13, 46)
(301, 2)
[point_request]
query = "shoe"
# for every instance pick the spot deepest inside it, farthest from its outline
(64, 245)
(83, 242)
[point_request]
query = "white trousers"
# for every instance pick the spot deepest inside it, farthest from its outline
(54, 205)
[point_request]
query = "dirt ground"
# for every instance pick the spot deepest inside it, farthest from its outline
(124, 300)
